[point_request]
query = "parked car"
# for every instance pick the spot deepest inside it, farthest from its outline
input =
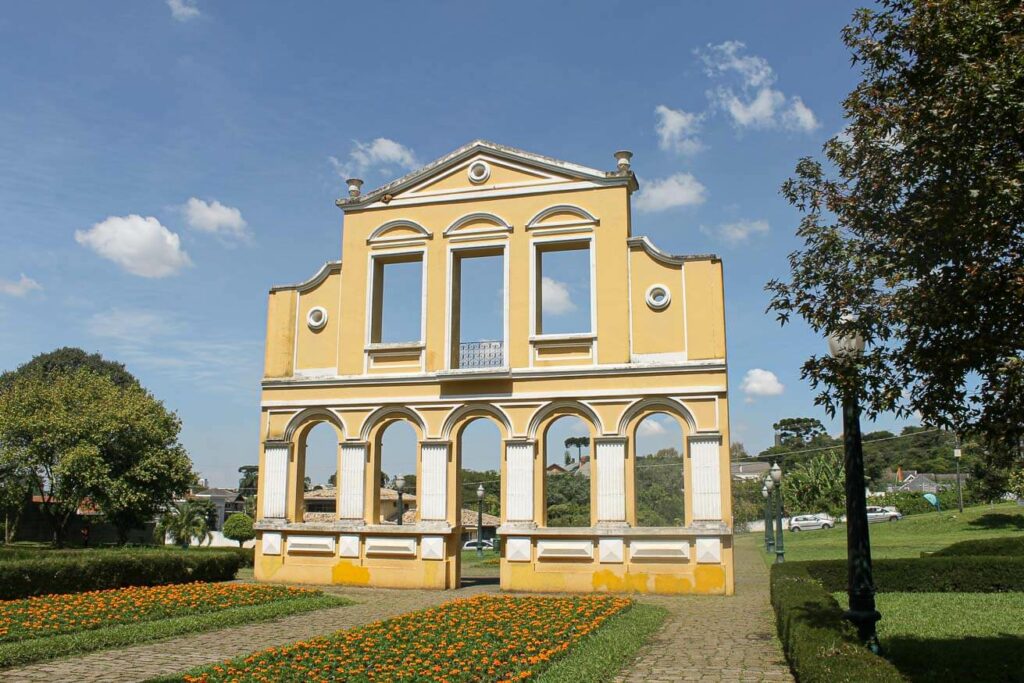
(809, 522)
(880, 514)
(471, 545)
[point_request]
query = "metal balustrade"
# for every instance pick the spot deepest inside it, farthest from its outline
(481, 354)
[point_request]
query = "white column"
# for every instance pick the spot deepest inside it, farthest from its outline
(705, 455)
(433, 492)
(519, 457)
(611, 480)
(275, 479)
(352, 482)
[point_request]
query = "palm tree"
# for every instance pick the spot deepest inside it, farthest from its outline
(579, 442)
(183, 522)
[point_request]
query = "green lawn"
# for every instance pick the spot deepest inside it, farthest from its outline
(480, 567)
(933, 637)
(910, 536)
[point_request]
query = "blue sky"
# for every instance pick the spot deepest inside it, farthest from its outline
(163, 163)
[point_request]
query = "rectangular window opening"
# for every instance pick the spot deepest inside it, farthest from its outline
(563, 289)
(478, 309)
(397, 300)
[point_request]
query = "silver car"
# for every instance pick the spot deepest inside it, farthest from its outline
(880, 514)
(809, 522)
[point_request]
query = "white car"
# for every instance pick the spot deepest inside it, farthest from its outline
(471, 545)
(880, 514)
(809, 522)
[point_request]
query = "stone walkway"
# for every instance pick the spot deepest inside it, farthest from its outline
(711, 638)
(705, 638)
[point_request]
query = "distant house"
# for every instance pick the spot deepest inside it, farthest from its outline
(749, 471)
(321, 504)
(555, 468)
(581, 468)
(469, 517)
(226, 501)
(920, 482)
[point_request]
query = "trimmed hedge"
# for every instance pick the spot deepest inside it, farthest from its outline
(1005, 546)
(820, 645)
(959, 574)
(86, 571)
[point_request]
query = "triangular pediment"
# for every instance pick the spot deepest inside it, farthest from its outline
(481, 168)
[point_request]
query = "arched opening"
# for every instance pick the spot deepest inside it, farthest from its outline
(319, 472)
(658, 475)
(479, 444)
(398, 448)
(568, 469)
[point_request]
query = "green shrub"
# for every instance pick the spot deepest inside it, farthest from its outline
(915, 504)
(238, 527)
(246, 556)
(820, 645)
(958, 574)
(74, 572)
(1006, 546)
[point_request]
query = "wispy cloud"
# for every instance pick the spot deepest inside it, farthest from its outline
(748, 96)
(381, 155)
(737, 232)
(183, 10)
(215, 218)
(555, 297)
(142, 246)
(19, 287)
(680, 189)
(677, 130)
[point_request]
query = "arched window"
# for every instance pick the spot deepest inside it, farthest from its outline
(398, 455)
(320, 473)
(479, 444)
(568, 472)
(658, 478)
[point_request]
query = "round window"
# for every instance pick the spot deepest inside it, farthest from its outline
(479, 171)
(658, 297)
(316, 318)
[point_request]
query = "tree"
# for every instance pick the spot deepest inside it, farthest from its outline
(568, 500)
(183, 522)
(332, 480)
(15, 490)
(799, 431)
(68, 359)
(659, 489)
(249, 481)
(579, 443)
(737, 451)
(914, 237)
(238, 527)
(815, 485)
(79, 437)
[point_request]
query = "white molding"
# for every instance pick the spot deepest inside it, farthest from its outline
(318, 277)
(348, 546)
(610, 551)
(387, 410)
(499, 222)
(391, 546)
(433, 490)
(652, 303)
(669, 402)
(275, 480)
(432, 548)
(352, 484)
(565, 549)
(664, 357)
(645, 243)
(517, 549)
(519, 470)
(610, 463)
(706, 495)
(301, 543)
(709, 551)
(659, 549)
(541, 413)
(271, 543)
(375, 236)
(586, 217)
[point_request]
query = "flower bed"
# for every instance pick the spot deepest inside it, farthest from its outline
(50, 615)
(481, 638)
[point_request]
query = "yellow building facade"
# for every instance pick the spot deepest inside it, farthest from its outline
(656, 344)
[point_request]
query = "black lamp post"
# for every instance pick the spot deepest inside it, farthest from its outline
(480, 520)
(776, 476)
(959, 490)
(766, 491)
(860, 581)
(399, 485)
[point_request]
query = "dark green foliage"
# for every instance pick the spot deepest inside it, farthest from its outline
(816, 484)
(915, 503)
(1007, 546)
(747, 501)
(659, 489)
(820, 645)
(959, 574)
(238, 527)
(68, 359)
(471, 479)
(568, 500)
(75, 572)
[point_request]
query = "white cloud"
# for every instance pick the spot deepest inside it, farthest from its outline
(677, 130)
(555, 297)
(216, 218)
(19, 287)
(737, 232)
(756, 104)
(681, 189)
(183, 10)
(651, 427)
(758, 382)
(380, 155)
(132, 326)
(142, 246)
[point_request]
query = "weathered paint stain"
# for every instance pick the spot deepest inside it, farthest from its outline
(350, 574)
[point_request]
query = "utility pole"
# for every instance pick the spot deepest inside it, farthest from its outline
(959, 490)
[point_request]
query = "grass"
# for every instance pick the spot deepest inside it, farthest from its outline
(604, 653)
(910, 536)
(53, 647)
(486, 566)
(938, 637)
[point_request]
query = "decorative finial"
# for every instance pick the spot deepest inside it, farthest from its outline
(354, 185)
(622, 158)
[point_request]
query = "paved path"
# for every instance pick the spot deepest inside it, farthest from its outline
(706, 638)
(711, 638)
(179, 654)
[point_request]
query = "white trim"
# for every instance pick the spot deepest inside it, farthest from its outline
(650, 296)
(544, 411)
(448, 365)
(375, 236)
(537, 243)
(541, 175)
(586, 218)
(499, 191)
(318, 277)
(316, 325)
(371, 420)
(498, 221)
(482, 176)
(645, 243)
(371, 271)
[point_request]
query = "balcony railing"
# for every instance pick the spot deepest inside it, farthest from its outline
(481, 354)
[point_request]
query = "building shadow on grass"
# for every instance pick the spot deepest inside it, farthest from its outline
(470, 581)
(924, 660)
(998, 520)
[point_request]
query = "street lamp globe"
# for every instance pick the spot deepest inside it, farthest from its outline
(769, 483)
(480, 492)
(845, 345)
(776, 473)
(400, 482)
(764, 491)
